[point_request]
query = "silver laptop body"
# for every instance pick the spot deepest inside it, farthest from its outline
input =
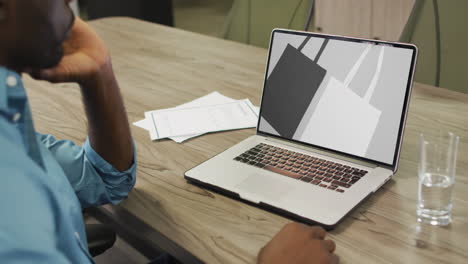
(330, 128)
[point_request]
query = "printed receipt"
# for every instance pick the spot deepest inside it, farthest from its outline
(202, 119)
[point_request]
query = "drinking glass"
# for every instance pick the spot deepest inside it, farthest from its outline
(437, 169)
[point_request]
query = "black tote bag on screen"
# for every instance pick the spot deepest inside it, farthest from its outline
(290, 88)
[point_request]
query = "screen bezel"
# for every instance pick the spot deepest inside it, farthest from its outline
(404, 112)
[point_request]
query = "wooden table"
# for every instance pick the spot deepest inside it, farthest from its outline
(160, 67)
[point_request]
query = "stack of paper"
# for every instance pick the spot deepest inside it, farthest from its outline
(211, 113)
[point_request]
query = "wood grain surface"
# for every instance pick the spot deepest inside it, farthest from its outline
(160, 67)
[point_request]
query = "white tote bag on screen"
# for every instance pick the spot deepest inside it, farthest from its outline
(343, 120)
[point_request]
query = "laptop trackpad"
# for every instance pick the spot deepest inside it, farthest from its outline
(262, 187)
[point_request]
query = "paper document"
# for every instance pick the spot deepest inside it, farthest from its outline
(144, 123)
(214, 98)
(202, 119)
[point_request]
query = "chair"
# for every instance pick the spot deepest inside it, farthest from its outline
(100, 238)
(251, 21)
(442, 61)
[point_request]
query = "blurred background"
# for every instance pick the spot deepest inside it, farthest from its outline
(438, 27)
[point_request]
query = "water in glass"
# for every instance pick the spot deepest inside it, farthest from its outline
(435, 199)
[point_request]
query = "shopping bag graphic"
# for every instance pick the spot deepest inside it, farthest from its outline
(343, 120)
(290, 88)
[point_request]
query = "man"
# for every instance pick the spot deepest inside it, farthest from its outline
(45, 182)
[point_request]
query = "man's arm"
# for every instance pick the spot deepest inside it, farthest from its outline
(87, 62)
(109, 132)
(103, 170)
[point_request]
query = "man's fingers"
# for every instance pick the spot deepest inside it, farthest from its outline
(52, 76)
(334, 259)
(58, 74)
(329, 245)
(318, 232)
(43, 75)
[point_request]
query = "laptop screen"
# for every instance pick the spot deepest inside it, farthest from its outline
(341, 94)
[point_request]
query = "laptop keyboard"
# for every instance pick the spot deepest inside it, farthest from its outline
(326, 174)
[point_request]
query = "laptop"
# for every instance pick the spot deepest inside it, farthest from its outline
(330, 128)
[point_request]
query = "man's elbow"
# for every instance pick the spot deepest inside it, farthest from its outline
(118, 193)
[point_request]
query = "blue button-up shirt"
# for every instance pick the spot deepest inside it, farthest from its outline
(45, 183)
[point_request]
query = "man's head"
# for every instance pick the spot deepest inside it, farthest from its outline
(33, 32)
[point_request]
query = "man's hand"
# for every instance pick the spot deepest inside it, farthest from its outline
(85, 58)
(298, 243)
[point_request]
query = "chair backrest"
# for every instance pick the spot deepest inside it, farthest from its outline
(251, 21)
(421, 30)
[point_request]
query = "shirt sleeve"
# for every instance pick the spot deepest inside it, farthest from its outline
(94, 180)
